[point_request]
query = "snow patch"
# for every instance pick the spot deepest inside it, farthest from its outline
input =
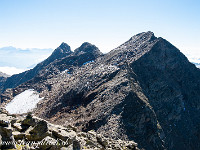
(24, 102)
(65, 71)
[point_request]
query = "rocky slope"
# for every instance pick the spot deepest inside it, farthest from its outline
(145, 90)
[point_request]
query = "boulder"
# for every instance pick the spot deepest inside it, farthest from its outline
(29, 121)
(7, 136)
(64, 135)
(38, 132)
(49, 143)
(5, 120)
(17, 126)
(18, 135)
(76, 145)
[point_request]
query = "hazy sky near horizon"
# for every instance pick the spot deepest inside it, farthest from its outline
(105, 23)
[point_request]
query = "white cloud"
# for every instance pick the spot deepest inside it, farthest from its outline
(11, 70)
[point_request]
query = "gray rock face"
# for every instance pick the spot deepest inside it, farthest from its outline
(145, 90)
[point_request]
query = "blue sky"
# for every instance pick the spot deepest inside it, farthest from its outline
(105, 23)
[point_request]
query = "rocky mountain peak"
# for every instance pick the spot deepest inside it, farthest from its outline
(61, 50)
(65, 47)
(132, 49)
(142, 37)
(86, 47)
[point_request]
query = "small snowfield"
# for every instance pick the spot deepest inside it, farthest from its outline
(24, 102)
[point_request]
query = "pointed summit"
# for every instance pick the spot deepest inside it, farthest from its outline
(65, 47)
(87, 48)
(60, 52)
(62, 49)
(138, 41)
(144, 36)
(132, 49)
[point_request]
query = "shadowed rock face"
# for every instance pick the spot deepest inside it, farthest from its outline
(172, 84)
(144, 90)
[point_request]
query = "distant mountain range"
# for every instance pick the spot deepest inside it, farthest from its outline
(15, 60)
(197, 64)
(193, 57)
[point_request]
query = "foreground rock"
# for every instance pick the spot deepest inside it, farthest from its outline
(34, 133)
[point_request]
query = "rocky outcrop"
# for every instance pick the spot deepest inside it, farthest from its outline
(42, 135)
